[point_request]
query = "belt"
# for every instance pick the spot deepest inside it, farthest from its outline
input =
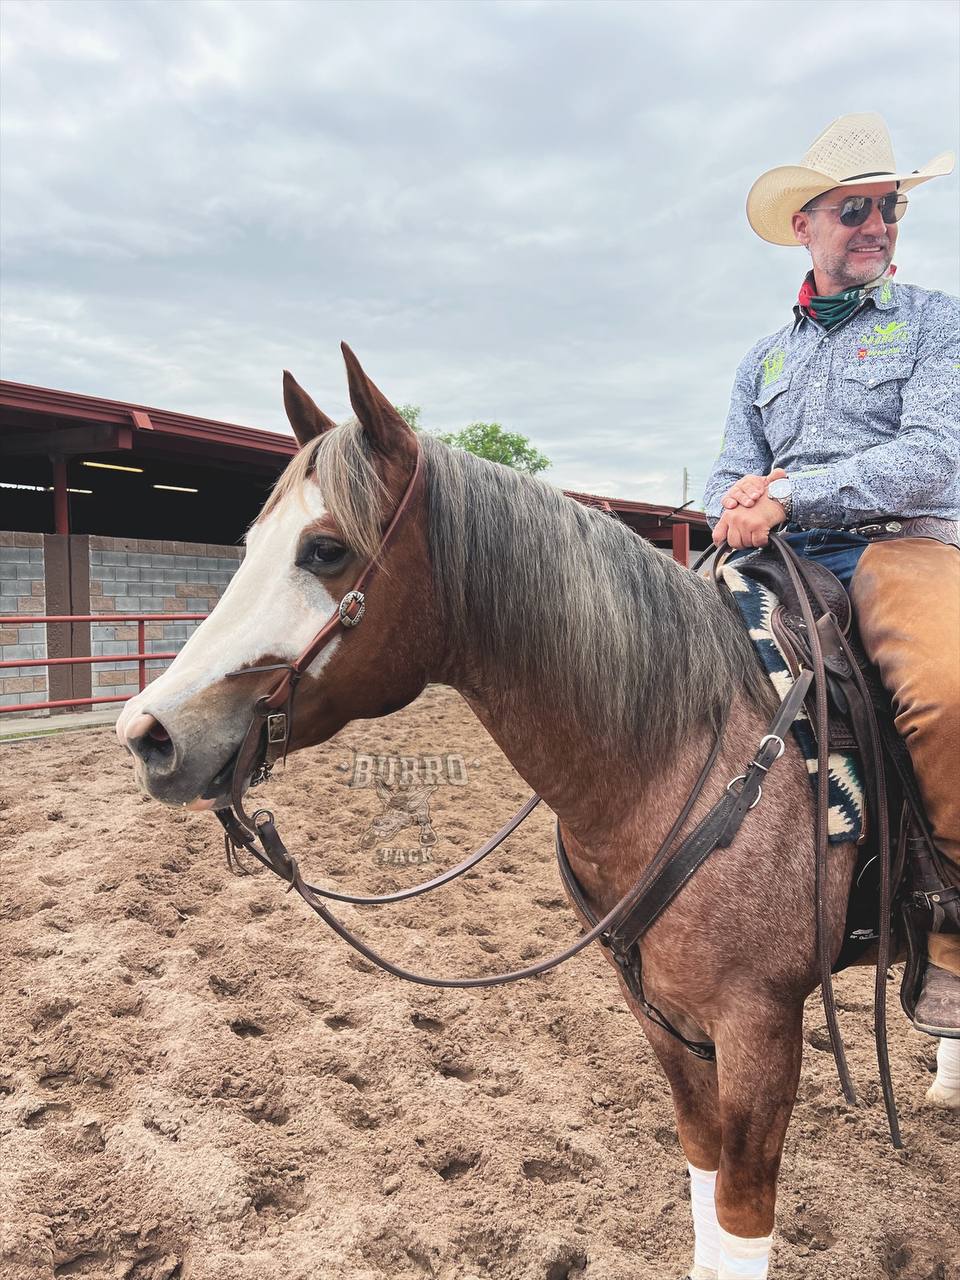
(886, 527)
(908, 527)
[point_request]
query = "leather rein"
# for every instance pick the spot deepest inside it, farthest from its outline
(268, 737)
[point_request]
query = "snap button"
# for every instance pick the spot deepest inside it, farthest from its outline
(894, 526)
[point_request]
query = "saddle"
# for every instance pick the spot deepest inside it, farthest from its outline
(860, 719)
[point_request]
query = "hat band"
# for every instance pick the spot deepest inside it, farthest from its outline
(855, 177)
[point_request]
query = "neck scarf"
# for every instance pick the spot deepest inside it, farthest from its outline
(830, 310)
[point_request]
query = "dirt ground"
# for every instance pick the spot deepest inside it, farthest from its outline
(199, 1081)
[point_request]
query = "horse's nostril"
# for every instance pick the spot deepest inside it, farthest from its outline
(147, 738)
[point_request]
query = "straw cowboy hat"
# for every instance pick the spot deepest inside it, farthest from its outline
(853, 150)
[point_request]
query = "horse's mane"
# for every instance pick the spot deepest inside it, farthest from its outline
(565, 597)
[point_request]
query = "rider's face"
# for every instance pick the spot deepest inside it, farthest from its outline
(847, 256)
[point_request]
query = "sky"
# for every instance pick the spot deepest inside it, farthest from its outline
(521, 211)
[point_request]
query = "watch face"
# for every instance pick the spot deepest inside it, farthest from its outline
(779, 489)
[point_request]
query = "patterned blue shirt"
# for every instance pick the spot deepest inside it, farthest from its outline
(864, 419)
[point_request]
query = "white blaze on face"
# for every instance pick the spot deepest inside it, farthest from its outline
(269, 607)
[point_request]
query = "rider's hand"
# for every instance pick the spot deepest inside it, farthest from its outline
(750, 489)
(747, 527)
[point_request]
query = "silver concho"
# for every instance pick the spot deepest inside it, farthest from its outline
(346, 602)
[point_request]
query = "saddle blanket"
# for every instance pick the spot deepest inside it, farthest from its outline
(756, 604)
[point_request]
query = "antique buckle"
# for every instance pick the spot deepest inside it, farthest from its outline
(348, 618)
(277, 727)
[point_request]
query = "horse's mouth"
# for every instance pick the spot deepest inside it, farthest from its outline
(219, 785)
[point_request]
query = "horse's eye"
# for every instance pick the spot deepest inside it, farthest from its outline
(323, 553)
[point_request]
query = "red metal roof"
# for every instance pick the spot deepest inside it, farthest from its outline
(34, 407)
(649, 510)
(42, 407)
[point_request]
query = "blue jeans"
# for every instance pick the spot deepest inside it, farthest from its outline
(836, 549)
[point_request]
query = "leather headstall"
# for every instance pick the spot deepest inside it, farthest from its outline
(267, 739)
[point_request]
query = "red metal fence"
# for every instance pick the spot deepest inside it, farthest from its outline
(140, 657)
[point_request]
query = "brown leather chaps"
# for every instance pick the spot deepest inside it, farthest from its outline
(906, 595)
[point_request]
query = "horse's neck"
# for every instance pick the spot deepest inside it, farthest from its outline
(613, 809)
(592, 790)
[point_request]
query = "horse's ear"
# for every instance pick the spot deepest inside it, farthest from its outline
(384, 427)
(306, 419)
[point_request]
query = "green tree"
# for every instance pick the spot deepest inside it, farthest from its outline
(489, 440)
(410, 413)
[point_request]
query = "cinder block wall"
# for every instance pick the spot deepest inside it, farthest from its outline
(22, 591)
(141, 575)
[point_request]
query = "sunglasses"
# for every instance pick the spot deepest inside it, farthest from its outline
(855, 210)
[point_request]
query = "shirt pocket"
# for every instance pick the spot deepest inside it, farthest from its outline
(773, 404)
(872, 392)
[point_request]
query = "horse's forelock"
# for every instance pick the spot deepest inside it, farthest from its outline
(339, 461)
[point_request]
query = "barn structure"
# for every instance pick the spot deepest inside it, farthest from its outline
(91, 491)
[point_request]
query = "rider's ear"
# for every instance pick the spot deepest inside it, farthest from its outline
(385, 429)
(306, 419)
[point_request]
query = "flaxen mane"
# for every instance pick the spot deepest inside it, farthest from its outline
(568, 597)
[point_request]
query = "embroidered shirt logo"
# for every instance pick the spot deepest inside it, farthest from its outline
(886, 291)
(773, 365)
(885, 339)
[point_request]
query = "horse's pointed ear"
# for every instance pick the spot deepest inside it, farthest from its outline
(306, 419)
(384, 427)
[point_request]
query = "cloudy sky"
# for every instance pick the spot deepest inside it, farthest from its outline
(526, 211)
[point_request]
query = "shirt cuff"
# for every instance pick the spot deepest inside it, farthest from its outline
(815, 499)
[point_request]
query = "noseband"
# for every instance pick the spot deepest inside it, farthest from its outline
(267, 739)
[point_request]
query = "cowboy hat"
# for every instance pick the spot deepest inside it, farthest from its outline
(853, 150)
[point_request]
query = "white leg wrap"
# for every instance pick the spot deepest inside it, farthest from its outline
(742, 1259)
(945, 1090)
(706, 1229)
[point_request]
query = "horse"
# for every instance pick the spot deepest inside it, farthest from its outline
(603, 670)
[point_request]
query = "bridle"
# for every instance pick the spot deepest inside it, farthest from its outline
(267, 739)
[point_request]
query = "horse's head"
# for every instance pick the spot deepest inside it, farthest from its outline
(321, 525)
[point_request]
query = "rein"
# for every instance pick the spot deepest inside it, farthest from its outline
(636, 911)
(267, 740)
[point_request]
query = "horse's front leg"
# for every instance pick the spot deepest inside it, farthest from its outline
(693, 1084)
(759, 1048)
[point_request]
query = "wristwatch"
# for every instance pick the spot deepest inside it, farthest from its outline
(782, 491)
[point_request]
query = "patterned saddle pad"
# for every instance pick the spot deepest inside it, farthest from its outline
(756, 604)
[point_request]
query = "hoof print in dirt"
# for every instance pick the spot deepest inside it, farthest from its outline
(457, 1166)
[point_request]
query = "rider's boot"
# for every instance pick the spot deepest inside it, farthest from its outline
(938, 1008)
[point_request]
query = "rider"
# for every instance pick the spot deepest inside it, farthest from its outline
(845, 426)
